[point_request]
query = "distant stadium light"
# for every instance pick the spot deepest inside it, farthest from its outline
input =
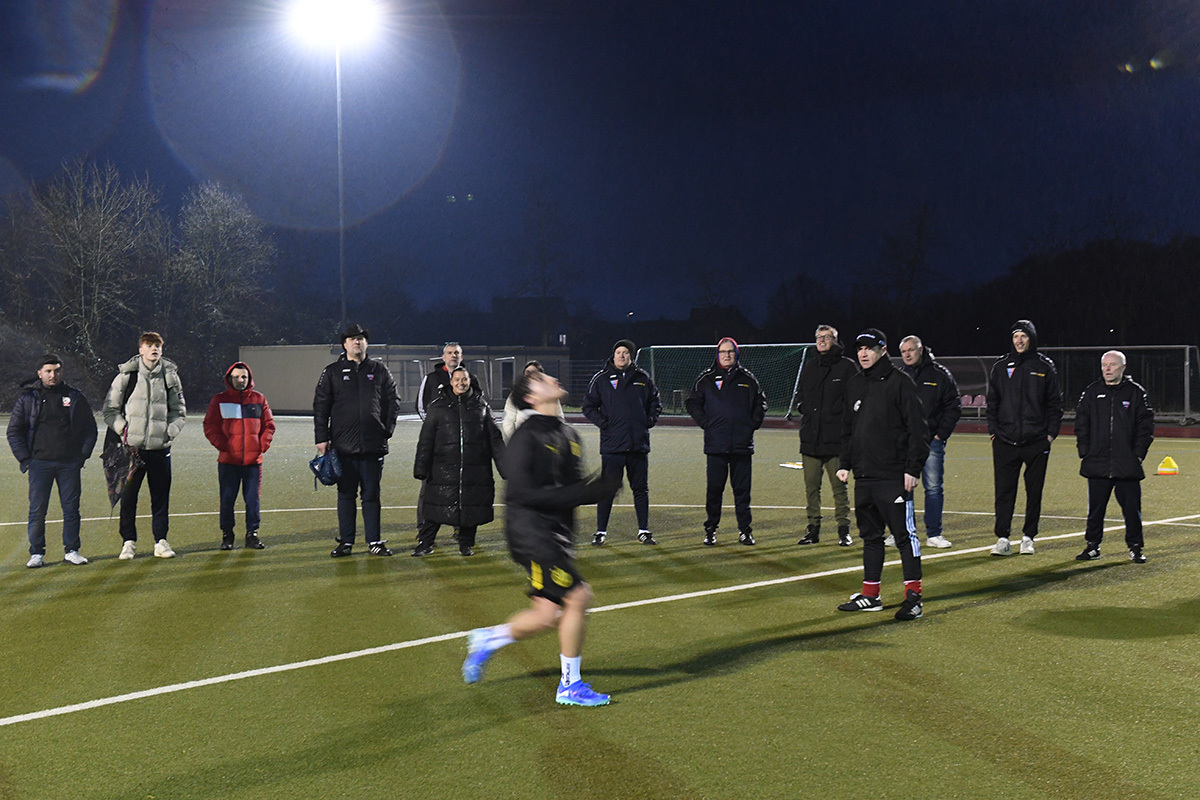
(335, 23)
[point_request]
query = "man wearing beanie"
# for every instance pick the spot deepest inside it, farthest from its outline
(1024, 412)
(623, 402)
(728, 403)
(885, 445)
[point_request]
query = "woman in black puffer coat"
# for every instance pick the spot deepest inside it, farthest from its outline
(459, 441)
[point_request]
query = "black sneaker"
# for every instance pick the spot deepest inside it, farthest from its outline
(844, 539)
(710, 538)
(227, 541)
(379, 548)
(1091, 552)
(746, 538)
(598, 538)
(645, 538)
(1136, 555)
(253, 542)
(423, 550)
(463, 549)
(813, 536)
(911, 607)
(861, 602)
(343, 549)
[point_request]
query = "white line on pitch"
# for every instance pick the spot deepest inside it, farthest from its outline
(445, 637)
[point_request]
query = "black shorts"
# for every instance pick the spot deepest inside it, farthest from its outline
(552, 577)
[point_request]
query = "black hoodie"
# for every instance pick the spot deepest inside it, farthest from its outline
(1024, 400)
(885, 436)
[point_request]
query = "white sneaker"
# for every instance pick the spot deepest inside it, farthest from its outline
(890, 541)
(938, 541)
(128, 550)
(1002, 548)
(73, 557)
(1026, 546)
(163, 550)
(36, 560)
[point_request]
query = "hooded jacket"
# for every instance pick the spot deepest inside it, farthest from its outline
(1024, 400)
(820, 399)
(459, 441)
(355, 407)
(624, 405)
(938, 392)
(1114, 426)
(434, 383)
(22, 425)
(729, 405)
(885, 436)
(239, 423)
(156, 411)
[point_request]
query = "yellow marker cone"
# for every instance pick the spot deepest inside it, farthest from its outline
(1168, 467)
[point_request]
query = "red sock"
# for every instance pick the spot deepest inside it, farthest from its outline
(913, 586)
(871, 589)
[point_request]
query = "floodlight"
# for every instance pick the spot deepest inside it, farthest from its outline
(335, 22)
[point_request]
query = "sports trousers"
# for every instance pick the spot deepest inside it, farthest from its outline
(882, 506)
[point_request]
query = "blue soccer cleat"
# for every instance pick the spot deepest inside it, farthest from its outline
(478, 653)
(579, 694)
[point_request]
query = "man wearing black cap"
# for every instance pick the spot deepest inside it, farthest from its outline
(623, 402)
(1024, 412)
(354, 409)
(885, 444)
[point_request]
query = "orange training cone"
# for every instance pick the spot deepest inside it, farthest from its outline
(1168, 467)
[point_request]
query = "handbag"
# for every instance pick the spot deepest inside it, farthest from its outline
(326, 467)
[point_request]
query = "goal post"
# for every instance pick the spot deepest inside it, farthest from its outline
(674, 369)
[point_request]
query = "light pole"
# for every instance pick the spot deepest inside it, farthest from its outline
(336, 22)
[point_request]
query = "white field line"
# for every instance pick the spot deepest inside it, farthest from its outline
(445, 637)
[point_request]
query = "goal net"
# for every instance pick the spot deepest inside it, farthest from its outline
(674, 369)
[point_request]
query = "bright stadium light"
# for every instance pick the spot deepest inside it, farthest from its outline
(337, 23)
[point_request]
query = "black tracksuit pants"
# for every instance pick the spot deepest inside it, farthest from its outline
(737, 469)
(1129, 497)
(882, 506)
(1006, 468)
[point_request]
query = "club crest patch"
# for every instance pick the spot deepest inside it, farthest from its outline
(67, 402)
(614, 382)
(719, 382)
(1125, 403)
(1011, 370)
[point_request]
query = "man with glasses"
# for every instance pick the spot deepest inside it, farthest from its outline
(819, 400)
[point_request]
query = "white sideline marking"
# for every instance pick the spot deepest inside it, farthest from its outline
(445, 637)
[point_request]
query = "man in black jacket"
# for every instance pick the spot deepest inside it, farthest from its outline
(939, 398)
(819, 400)
(623, 402)
(1024, 413)
(728, 403)
(1114, 426)
(543, 463)
(885, 445)
(51, 433)
(354, 409)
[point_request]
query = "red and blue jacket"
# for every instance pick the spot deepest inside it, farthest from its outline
(239, 424)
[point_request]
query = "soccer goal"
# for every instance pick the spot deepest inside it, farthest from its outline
(675, 368)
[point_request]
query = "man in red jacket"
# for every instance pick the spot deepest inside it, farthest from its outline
(239, 424)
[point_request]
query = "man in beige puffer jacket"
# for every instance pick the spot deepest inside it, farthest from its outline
(149, 420)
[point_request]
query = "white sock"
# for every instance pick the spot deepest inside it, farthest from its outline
(501, 635)
(570, 669)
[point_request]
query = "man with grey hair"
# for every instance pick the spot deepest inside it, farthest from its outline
(1114, 426)
(938, 393)
(819, 400)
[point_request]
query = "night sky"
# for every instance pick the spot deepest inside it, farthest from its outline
(750, 141)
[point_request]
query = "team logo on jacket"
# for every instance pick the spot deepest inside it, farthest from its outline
(857, 404)
(719, 381)
(1125, 403)
(1011, 370)
(614, 382)
(67, 402)
(370, 376)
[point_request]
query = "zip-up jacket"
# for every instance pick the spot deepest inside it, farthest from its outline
(820, 400)
(156, 411)
(885, 436)
(436, 381)
(1024, 401)
(355, 407)
(938, 392)
(624, 405)
(239, 423)
(23, 423)
(730, 407)
(459, 441)
(1114, 426)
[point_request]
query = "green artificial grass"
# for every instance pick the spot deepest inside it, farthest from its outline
(1029, 677)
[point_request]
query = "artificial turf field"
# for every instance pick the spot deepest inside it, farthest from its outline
(1029, 677)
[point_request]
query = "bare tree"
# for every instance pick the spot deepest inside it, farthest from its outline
(101, 236)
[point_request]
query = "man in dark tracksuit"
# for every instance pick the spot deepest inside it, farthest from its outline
(1114, 426)
(543, 464)
(354, 409)
(623, 402)
(1024, 413)
(819, 400)
(728, 403)
(939, 398)
(885, 445)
